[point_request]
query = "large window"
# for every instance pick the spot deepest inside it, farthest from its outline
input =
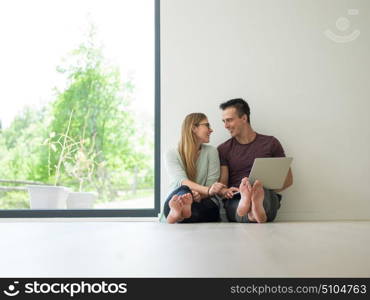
(79, 108)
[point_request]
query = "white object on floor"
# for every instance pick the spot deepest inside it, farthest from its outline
(48, 196)
(79, 200)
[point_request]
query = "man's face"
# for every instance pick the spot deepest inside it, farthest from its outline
(233, 122)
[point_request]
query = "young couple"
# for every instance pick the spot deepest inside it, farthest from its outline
(205, 180)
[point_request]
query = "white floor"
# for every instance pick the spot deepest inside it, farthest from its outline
(151, 249)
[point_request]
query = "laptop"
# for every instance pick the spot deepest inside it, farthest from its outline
(271, 171)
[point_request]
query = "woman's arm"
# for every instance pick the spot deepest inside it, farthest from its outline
(202, 190)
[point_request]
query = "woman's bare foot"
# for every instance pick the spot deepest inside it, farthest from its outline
(176, 207)
(187, 200)
(245, 189)
(258, 194)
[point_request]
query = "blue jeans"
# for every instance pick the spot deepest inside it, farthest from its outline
(271, 204)
(204, 211)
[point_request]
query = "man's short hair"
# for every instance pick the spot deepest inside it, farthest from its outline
(240, 105)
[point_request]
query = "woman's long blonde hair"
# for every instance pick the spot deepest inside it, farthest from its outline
(188, 144)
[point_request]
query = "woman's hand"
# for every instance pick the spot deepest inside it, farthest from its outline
(196, 196)
(216, 188)
(229, 193)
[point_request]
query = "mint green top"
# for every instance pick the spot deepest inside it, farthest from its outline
(208, 168)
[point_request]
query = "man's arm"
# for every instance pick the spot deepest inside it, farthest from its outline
(224, 176)
(288, 181)
(224, 179)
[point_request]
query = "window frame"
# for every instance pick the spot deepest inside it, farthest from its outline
(114, 213)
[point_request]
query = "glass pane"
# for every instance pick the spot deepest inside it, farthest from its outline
(77, 105)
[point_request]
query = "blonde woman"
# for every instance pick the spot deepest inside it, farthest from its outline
(194, 169)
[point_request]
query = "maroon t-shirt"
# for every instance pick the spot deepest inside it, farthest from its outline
(239, 158)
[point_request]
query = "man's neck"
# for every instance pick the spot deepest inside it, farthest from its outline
(247, 136)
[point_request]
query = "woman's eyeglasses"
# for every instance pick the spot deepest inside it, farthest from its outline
(205, 124)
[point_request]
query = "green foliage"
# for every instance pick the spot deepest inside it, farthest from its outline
(14, 200)
(20, 146)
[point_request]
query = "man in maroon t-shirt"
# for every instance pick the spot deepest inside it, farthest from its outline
(254, 203)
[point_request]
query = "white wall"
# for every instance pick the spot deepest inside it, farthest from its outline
(310, 92)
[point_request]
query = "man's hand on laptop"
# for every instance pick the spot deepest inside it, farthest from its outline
(228, 193)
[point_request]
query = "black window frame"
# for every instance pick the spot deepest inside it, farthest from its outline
(114, 213)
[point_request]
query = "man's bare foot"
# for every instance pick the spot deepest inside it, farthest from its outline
(245, 189)
(187, 200)
(176, 207)
(258, 194)
(251, 217)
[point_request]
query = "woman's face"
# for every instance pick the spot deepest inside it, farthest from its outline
(203, 131)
